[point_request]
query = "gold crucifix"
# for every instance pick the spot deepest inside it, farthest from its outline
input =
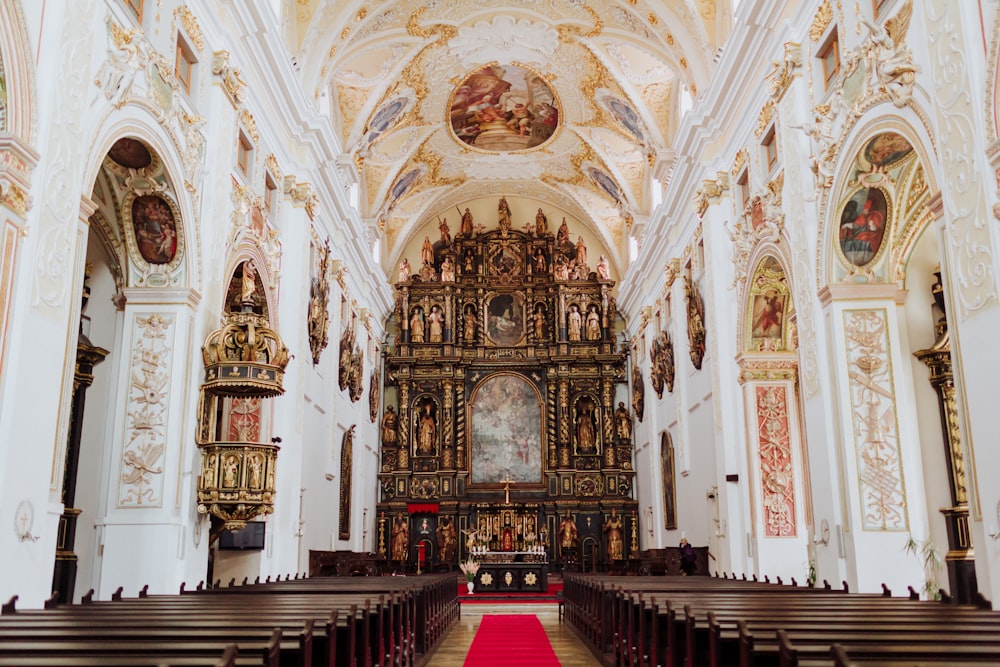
(506, 489)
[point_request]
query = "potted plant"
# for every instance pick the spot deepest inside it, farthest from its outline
(469, 568)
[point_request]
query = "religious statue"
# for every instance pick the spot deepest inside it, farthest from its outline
(249, 284)
(426, 430)
(562, 268)
(447, 270)
(603, 273)
(427, 251)
(616, 531)
(445, 231)
(503, 213)
(562, 236)
(623, 422)
(541, 223)
(585, 428)
(538, 320)
(575, 322)
(390, 423)
(466, 227)
(593, 323)
(469, 321)
(539, 263)
(435, 321)
(581, 251)
(567, 532)
(346, 349)
(404, 270)
(638, 393)
(447, 539)
(417, 326)
(469, 263)
(696, 323)
(400, 538)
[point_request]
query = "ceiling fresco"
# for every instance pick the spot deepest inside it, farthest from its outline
(441, 102)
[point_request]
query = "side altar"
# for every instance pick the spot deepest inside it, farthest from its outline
(505, 426)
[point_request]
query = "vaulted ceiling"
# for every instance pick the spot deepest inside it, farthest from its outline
(406, 83)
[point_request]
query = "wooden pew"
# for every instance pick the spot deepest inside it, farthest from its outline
(368, 621)
(642, 625)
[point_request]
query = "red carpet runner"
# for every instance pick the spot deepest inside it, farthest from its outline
(511, 640)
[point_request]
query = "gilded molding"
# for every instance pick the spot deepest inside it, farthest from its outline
(764, 118)
(16, 199)
(190, 25)
(710, 192)
(824, 14)
(739, 161)
(232, 81)
(767, 370)
(250, 123)
(302, 194)
(783, 72)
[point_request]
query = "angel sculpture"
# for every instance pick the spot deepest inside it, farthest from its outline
(891, 59)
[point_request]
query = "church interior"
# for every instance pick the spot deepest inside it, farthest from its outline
(621, 288)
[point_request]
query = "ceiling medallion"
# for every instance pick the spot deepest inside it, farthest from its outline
(504, 109)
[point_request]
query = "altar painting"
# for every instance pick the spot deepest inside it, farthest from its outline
(505, 319)
(506, 431)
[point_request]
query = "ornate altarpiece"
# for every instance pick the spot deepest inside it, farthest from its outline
(500, 395)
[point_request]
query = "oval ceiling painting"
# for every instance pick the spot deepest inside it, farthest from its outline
(504, 108)
(130, 153)
(887, 149)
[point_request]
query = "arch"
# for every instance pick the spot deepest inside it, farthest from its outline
(136, 122)
(993, 83)
(18, 72)
(906, 122)
(771, 273)
(247, 250)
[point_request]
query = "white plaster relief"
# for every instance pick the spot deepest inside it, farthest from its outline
(966, 213)
(378, 79)
(875, 424)
(803, 273)
(57, 223)
(506, 169)
(624, 61)
(145, 437)
(505, 40)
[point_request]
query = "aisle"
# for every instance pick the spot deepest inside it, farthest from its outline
(454, 648)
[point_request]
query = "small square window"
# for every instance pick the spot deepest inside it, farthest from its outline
(136, 7)
(184, 65)
(770, 149)
(743, 189)
(829, 55)
(244, 150)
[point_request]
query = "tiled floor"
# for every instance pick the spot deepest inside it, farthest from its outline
(568, 647)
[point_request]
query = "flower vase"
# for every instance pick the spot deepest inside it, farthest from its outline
(469, 585)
